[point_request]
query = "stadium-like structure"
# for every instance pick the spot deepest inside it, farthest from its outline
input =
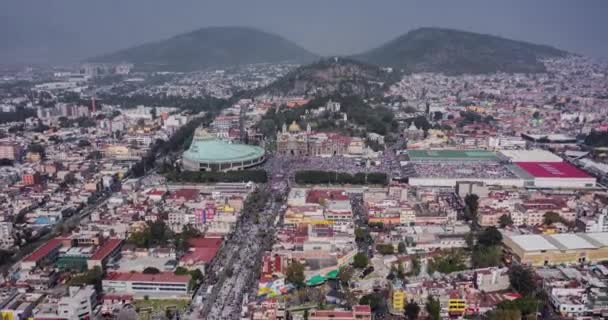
(208, 153)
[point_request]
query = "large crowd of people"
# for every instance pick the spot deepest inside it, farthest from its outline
(462, 170)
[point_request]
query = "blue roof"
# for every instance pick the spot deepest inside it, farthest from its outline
(219, 151)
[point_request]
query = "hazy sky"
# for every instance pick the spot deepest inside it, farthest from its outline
(69, 30)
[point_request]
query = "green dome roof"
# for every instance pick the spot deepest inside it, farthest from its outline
(219, 151)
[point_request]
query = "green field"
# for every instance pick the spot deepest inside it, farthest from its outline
(157, 306)
(454, 155)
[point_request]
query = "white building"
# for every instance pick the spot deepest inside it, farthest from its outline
(506, 143)
(161, 285)
(6, 234)
(598, 224)
(79, 303)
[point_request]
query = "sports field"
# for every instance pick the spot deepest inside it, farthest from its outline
(451, 155)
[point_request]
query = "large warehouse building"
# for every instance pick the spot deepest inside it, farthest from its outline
(555, 175)
(445, 168)
(563, 248)
(510, 168)
(208, 153)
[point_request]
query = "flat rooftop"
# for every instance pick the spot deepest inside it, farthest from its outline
(163, 277)
(533, 242)
(561, 241)
(570, 241)
(140, 263)
(552, 170)
(451, 155)
(535, 155)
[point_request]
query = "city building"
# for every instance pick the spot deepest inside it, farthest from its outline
(10, 151)
(161, 285)
(564, 248)
(359, 312)
(6, 234)
(292, 141)
(207, 153)
(78, 304)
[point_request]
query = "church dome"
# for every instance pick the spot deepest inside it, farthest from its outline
(294, 127)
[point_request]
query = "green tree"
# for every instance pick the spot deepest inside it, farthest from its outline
(374, 300)
(295, 274)
(360, 234)
(345, 275)
(385, 248)
(90, 277)
(433, 308)
(522, 279)
(489, 237)
(180, 271)
(469, 238)
(504, 315)
(151, 270)
(415, 270)
(484, 257)
(360, 260)
(450, 261)
(505, 220)
(195, 277)
(412, 309)
(267, 127)
(526, 305)
(552, 217)
(401, 247)
(471, 202)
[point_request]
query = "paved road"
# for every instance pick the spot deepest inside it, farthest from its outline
(235, 269)
(361, 218)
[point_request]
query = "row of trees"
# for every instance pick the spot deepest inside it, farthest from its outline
(257, 176)
(158, 234)
(333, 177)
(19, 115)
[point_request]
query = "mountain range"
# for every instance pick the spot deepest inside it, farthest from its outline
(455, 52)
(214, 47)
(420, 50)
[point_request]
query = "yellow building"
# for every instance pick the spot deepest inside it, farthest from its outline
(477, 109)
(398, 300)
(560, 248)
(33, 156)
(457, 306)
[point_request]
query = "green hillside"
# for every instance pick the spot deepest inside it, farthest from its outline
(208, 48)
(456, 52)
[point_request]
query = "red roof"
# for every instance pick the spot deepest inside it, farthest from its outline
(107, 248)
(205, 242)
(552, 170)
(44, 250)
(156, 192)
(186, 194)
(203, 250)
(362, 308)
(116, 296)
(199, 255)
(331, 313)
(143, 277)
(315, 196)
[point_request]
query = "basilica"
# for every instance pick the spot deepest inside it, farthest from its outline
(294, 141)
